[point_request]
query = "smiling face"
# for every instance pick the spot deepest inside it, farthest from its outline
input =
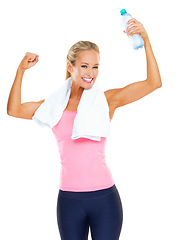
(86, 66)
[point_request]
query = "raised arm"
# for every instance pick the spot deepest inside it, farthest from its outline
(14, 107)
(132, 92)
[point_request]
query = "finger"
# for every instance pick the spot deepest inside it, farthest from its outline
(130, 21)
(32, 58)
(31, 55)
(36, 59)
(131, 26)
(134, 31)
(31, 64)
(133, 20)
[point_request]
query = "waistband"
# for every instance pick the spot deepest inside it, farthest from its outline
(91, 194)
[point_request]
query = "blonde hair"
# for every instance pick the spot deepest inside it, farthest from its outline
(75, 50)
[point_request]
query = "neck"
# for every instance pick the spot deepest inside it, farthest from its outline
(76, 91)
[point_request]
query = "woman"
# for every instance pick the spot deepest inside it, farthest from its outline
(78, 207)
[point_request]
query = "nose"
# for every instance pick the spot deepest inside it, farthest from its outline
(90, 73)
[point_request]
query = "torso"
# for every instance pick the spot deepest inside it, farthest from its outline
(83, 161)
(78, 172)
(73, 104)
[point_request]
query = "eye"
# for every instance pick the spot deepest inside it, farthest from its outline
(86, 66)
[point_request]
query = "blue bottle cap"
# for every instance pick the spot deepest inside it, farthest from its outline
(123, 11)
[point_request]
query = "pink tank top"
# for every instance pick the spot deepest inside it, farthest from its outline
(83, 164)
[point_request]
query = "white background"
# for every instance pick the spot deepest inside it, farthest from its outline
(142, 152)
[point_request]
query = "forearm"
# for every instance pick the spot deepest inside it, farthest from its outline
(14, 101)
(153, 74)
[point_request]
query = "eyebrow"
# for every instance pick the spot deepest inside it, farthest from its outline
(88, 63)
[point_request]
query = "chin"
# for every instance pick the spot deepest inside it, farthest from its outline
(88, 86)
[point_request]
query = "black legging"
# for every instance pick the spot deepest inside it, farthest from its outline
(100, 210)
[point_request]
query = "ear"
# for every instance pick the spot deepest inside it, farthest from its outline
(69, 67)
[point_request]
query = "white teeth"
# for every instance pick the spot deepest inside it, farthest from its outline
(87, 79)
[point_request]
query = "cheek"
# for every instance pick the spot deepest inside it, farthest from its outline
(81, 72)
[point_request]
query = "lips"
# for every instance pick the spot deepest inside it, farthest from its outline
(86, 80)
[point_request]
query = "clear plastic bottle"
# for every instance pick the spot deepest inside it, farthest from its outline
(136, 40)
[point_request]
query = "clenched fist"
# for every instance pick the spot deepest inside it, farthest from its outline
(29, 60)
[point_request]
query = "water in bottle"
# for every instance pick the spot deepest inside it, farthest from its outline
(136, 40)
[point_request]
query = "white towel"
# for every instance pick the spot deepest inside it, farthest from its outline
(92, 119)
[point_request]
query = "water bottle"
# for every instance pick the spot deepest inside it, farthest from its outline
(136, 40)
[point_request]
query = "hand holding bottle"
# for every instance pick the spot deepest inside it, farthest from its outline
(136, 27)
(135, 30)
